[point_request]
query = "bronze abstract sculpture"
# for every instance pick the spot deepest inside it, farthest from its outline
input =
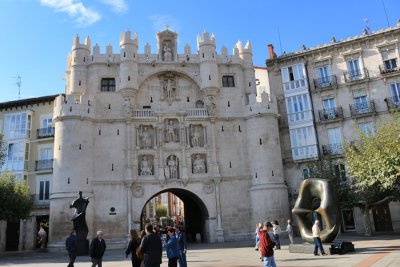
(317, 200)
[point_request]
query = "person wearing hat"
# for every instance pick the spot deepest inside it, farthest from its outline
(266, 246)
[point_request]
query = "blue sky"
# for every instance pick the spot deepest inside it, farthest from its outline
(36, 35)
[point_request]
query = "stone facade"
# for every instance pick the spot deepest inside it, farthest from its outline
(132, 125)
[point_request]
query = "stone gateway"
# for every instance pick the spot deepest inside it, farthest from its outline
(132, 125)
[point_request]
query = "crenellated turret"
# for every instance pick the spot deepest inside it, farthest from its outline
(208, 63)
(128, 68)
(78, 67)
(246, 55)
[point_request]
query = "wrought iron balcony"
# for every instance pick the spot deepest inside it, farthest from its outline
(44, 165)
(332, 149)
(362, 109)
(356, 75)
(393, 102)
(45, 132)
(389, 70)
(325, 83)
(330, 114)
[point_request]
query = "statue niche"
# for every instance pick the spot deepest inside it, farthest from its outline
(171, 131)
(196, 135)
(199, 163)
(169, 87)
(146, 136)
(171, 171)
(146, 165)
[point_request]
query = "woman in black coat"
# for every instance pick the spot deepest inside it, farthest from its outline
(134, 245)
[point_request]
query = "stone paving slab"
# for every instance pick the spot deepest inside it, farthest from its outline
(376, 252)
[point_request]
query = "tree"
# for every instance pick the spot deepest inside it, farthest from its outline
(15, 198)
(161, 211)
(373, 162)
(374, 158)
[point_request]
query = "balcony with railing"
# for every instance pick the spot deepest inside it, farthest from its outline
(295, 84)
(197, 113)
(393, 102)
(330, 114)
(325, 83)
(356, 75)
(387, 70)
(143, 113)
(332, 149)
(44, 165)
(362, 109)
(45, 132)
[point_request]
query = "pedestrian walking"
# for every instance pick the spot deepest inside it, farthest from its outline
(71, 245)
(317, 240)
(151, 247)
(134, 249)
(172, 248)
(276, 230)
(97, 249)
(182, 245)
(258, 227)
(267, 246)
(289, 230)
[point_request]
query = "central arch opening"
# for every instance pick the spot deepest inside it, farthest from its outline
(193, 214)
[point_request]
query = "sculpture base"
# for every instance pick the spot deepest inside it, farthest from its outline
(338, 247)
(82, 247)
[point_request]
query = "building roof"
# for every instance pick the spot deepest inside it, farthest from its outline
(27, 101)
(334, 43)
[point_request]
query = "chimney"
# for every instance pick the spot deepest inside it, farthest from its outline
(271, 51)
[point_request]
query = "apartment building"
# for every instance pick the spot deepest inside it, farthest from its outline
(325, 94)
(28, 138)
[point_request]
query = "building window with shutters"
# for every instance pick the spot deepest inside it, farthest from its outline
(107, 85)
(228, 81)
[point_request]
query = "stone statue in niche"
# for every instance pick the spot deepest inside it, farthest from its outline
(146, 167)
(199, 165)
(169, 89)
(146, 137)
(127, 106)
(195, 136)
(172, 168)
(211, 106)
(167, 53)
(171, 132)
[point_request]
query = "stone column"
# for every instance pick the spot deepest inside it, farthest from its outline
(219, 230)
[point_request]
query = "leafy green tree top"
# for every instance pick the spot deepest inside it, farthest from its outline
(15, 198)
(374, 159)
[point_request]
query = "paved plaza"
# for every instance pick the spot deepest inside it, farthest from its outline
(381, 250)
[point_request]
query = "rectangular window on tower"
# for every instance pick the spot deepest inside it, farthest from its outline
(228, 81)
(107, 85)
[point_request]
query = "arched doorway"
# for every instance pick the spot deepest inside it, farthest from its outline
(196, 217)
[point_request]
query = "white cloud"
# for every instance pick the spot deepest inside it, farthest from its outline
(118, 6)
(161, 21)
(82, 15)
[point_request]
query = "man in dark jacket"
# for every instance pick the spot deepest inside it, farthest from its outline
(182, 246)
(267, 246)
(151, 247)
(97, 248)
(71, 245)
